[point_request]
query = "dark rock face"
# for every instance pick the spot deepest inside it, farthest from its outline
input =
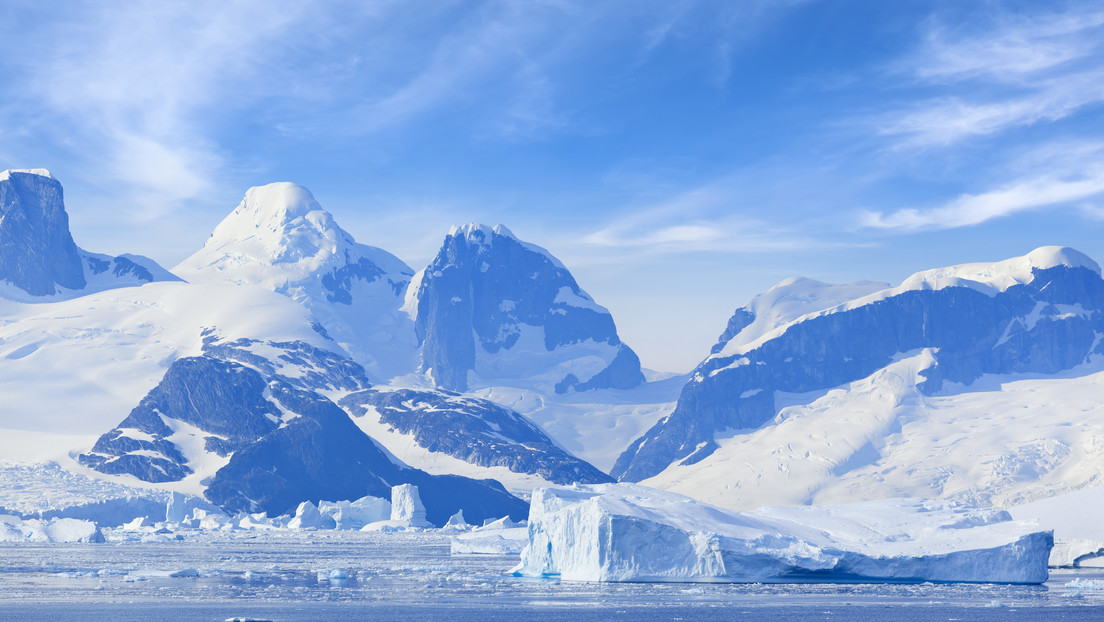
(485, 286)
(1049, 324)
(285, 442)
(474, 430)
(740, 320)
(37, 253)
(321, 454)
(338, 282)
(224, 400)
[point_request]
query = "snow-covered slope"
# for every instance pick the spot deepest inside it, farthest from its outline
(75, 367)
(445, 432)
(493, 310)
(972, 381)
(1004, 440)
(39, 260)
(595, 425)
(280, 238)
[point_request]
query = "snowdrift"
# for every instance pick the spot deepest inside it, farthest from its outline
(621, 532)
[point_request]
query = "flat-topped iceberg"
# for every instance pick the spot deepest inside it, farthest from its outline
(623, 532)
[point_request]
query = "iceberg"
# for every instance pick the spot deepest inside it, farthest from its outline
(15, 529)
(406, 506)
(356, 514)
(626, 532)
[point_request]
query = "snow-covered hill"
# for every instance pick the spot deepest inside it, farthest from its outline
(39, 260)
(493, 310)
(977, 382)
(279, 238)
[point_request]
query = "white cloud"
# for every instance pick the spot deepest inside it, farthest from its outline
(708, 218)
(1011, 50)
(1011, 73)
(948, 120)
(129, 92)
(1075, 182)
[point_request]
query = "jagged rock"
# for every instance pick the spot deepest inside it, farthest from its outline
(501, 310)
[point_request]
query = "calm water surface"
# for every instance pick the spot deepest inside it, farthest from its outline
(352, 576)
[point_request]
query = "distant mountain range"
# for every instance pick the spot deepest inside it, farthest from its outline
(818, 392)
(284, 362)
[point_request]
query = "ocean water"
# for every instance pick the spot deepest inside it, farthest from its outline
(355, 576)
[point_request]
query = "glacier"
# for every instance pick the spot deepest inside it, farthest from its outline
(627, 532)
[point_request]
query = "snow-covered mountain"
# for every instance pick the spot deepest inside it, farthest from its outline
(281, 239)
(491, 309)
(39, 260)
(260, 437)
(972, 381)
(237, 372)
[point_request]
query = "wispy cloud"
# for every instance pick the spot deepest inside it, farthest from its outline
(709, 218)
(1014, 72)
(1009, 50)
(1076, 176)
(130, 88)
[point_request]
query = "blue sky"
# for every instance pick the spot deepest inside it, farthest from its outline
(679, 156)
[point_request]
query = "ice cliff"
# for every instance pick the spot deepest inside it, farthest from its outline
(621, 532)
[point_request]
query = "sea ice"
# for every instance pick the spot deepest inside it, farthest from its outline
(15, 529)
(354, 514)
(456, 522)
(623, 532)
(508, 541)
(497, 523)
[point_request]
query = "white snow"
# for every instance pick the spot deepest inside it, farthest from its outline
(582, 301)
(5, 175)
(468, 231)
(404, 449)
(594, 425)
(621, 532)
(1004, 440)
(280, 239)
(987, 278)
(791, 299)
(991, 278)
(456, 522)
